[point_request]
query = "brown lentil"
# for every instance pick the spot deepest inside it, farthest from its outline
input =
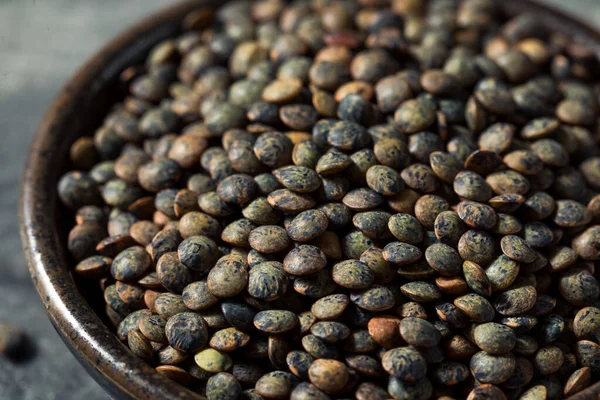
(279, 197)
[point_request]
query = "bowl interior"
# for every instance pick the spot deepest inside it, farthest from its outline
(76, 307)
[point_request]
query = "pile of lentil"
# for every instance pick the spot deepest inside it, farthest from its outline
(365, 199)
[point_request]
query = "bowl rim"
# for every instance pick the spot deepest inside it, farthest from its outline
(109, 362)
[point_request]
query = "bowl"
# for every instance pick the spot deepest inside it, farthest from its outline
(77, 111)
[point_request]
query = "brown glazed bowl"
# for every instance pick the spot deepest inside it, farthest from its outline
(77, 111)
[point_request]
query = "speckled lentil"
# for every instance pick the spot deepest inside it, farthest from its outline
(350, 199)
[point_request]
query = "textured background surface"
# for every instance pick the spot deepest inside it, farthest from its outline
(41, 43)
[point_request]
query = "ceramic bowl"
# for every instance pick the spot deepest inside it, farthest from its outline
(78, 110)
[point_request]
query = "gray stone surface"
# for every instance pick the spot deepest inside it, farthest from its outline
(41, 43)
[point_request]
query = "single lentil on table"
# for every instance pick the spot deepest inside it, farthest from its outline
(359, 198)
